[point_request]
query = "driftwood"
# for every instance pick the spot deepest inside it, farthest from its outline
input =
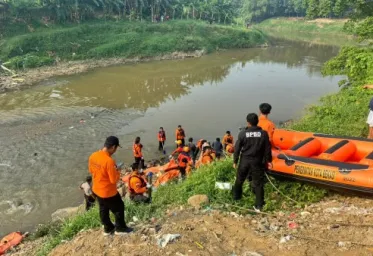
(8, 70)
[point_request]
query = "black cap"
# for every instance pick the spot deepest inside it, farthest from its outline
(112, 141)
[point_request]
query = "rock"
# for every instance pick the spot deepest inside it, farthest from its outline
(234, 214)
(197, 200)
(262, 228)
(68, 212)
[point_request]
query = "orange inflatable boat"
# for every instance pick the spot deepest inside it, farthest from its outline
(335, 161)
(9, 241)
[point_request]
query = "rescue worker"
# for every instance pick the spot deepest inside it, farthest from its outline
(183, 161)
(178, 150)
(88, 195)
(161, 139)
(137, 153)
(229, 150)
(226, 137)
(180, 134)
(207, 155)
(218, 148)
(254, 151)
(193, 150)
(370, 115)
(264, 123)
(105, 177)
(137, 186)
(199, 144)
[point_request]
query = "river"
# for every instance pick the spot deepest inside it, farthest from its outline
(48, 132)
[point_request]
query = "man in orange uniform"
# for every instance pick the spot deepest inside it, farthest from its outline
(207, 156)
(138, 187)
(161, 139)
(229, 150)
(178, 150)
(137, 152)
(180, 134)
(184, 160)
(105, 177)
(264, 123)
(227, 137)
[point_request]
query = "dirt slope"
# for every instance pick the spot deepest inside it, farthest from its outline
(315, 232)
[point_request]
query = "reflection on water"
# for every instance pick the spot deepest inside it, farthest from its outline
(46, 144)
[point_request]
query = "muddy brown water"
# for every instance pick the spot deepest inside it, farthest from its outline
(45, 145)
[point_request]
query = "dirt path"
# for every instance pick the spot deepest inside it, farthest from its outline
(32, 76)
(337, 226)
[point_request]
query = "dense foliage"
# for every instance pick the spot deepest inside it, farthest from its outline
(220, 11)
(356, 62)
(121, 39)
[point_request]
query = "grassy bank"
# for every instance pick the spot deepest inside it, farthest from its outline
(200, 182)
(107, 39)
(343, 113)
(319, 31)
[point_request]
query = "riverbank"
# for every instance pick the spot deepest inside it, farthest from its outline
(318, 31)
(29, 77)
(73, 49)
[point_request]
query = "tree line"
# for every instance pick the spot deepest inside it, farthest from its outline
(219, 11)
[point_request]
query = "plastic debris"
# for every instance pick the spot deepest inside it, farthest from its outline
(292, 225)
(341, 244)
(71, 127)
(292, 216)
(135, 219)
(284, 239)
(223, 185)
(165, 239)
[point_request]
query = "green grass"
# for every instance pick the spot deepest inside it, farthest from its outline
(107, 39)
(307, 30)
(200, 182)
(343, 113)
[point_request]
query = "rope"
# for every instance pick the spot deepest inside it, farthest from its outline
(279, 190)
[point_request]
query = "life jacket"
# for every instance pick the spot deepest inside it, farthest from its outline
(226, 138)
(137, 150)
(183, 160)
(162, 136)
(177, 151)
(130, 188)
(230, 148)
(199, 144)
(10, 240)
(207, 158)
(180, 134)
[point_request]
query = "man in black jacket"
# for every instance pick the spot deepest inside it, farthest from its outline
(254, 150)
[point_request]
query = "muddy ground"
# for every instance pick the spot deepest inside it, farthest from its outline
(25, 79)
(336, 226)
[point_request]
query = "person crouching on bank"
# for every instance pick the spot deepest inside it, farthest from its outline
(138, 188)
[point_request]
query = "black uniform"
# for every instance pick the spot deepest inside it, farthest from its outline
(255, 149)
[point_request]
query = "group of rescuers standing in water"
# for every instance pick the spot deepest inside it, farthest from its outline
(251, 152)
